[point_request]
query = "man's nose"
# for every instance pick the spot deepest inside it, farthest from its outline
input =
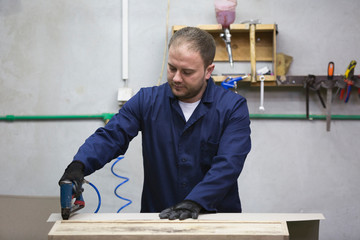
(177, 77)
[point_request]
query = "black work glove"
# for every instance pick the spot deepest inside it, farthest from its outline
(183, 210)
(74, 173)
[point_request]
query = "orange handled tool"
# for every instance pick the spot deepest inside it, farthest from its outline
(330, 76)
(331, 69)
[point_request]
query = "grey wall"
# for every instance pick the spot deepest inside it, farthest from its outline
(64, 57)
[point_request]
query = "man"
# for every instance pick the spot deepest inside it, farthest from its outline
(195, 136)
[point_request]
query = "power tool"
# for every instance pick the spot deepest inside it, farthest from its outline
(67, 195)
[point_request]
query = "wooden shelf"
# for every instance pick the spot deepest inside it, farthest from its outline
(268, 78)
(249, 43)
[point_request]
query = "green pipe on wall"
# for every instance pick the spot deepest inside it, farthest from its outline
(10, 118)
(303, 117)
(107, 116)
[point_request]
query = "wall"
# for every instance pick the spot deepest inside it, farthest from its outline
(64, 57)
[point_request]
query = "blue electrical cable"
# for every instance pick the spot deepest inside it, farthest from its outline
(125, 180)
(98, 194)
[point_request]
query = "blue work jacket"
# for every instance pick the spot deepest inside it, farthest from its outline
(199, 159)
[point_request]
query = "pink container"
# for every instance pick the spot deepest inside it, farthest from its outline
(225, 12)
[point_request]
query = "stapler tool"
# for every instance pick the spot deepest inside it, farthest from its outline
(70, 203)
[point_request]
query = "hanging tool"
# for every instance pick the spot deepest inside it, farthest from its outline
(349, 79)
(340, 84)
(329, 84)
(67, 194)
(310, 83)
(261, 107)
(226, 36)
(315, 86)
(307, 98)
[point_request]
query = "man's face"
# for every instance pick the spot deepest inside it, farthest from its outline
(186, 73)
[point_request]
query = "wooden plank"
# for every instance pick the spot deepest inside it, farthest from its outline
(246, 217)
(239, 27)
(219, 79)
(268, 78)
(177, 28)
(274, 52)
(265, 27)
(252, 53)
(173, 230)
(211, 28)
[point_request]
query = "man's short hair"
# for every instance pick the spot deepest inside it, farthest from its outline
(199, 40)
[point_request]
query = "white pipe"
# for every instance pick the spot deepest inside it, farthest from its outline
(125, 41)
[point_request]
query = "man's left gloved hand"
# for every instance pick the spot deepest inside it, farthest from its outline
(183, 210)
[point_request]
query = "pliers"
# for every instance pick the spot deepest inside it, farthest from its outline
(349, 79)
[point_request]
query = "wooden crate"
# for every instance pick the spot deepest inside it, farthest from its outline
(169, 230)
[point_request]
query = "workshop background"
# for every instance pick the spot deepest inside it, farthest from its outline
(65, 58)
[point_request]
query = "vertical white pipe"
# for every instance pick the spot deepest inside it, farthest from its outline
(125, 41)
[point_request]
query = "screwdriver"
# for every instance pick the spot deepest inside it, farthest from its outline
(331, 68)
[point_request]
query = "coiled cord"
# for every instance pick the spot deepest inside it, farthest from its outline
(125, 180)
(98, 194)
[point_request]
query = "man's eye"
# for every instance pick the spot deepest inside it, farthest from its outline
(187, 72)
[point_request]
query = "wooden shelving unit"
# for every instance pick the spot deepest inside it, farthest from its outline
(250, 43)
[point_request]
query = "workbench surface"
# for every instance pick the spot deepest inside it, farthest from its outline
(287, 217)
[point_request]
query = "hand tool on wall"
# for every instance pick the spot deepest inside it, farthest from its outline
(320, 97)
(357, 84)
(261, 107)
(340, 84)
(307, 89)
(67, 195)
(349, 79)
(310, 83)
(328, 84)
(226, 36)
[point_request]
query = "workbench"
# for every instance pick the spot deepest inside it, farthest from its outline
(148, 226)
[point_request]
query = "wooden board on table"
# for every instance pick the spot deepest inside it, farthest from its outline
(165, 229)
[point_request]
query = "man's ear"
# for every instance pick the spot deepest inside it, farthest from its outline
(209, 70)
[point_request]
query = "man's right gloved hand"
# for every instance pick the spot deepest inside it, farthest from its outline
(74, 173)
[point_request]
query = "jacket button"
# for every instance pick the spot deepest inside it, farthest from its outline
(183, 159)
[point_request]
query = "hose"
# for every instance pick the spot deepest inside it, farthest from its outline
(125, 180)
(98, 194)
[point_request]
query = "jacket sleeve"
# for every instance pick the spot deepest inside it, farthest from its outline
(110, 141)
(228, 162)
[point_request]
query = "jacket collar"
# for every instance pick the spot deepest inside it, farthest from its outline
(207, 97)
